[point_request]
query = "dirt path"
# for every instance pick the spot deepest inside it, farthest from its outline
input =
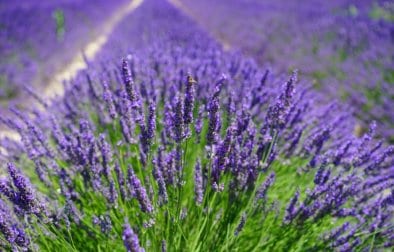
(55, 86)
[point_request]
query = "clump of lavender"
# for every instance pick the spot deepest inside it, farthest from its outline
(186, 169)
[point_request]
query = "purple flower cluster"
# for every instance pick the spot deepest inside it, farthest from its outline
(20, 192)
(11, 230)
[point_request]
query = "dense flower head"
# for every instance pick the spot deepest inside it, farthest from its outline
(130, 240)
(238, 161)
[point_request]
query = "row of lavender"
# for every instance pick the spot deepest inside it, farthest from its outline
(39, 37)
(344, 47)
(181, 146)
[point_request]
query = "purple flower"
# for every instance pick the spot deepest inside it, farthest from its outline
(339, 154)
(112, 192)
(322, 175)
(230, 108)
(71, 212)
(106, 155)
(105, 223)
(213, 113)
(344, 239)
(125, 130)
(243, 121)
(290, 209)
(128, 82)
(335, 233)
(158, 175)
(151, 121)
(277, 113)
(314, 144)
(378, 161)
(147, 131)
(7, 228)
(178, 122)
(189, 100)
(24, 197)
(241, 224)
(42, 172)
(221, 155)
(262, 191)
(198, 184)
(121, 181)
(107, 97)
(350, 246)
(35, 133)
(130, 240)
(21, 238)
(140, 192)
(170, 168)
(199, 123)
(294, 140)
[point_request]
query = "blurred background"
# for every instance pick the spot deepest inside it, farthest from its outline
(38, 38)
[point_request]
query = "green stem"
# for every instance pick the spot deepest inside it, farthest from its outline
(71, 238)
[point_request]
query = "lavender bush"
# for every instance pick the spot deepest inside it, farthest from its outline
(180, 146)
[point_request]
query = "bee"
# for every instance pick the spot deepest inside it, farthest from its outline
(191, 80)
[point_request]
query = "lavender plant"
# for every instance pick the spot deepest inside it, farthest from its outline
(180, 146)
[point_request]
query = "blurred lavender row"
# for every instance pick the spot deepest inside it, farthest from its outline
(345, 47)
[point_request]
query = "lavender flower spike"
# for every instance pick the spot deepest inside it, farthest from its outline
(130, 240)
(142, 196)
(189, 100)
(241, 225)
(179, 128)
(151, 121)
(128, 81)
(214, 117)
(158, 174)
(6, 227)
(107, 97)
(277, 113)
(290, 210)
(25, 197)
(198, 184)
(261, 193)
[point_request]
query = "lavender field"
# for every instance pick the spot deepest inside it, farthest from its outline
(180, 125)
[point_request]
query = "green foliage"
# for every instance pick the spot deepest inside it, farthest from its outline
(7, 90)
(379, 12)
(58, 15)
(388, 75)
